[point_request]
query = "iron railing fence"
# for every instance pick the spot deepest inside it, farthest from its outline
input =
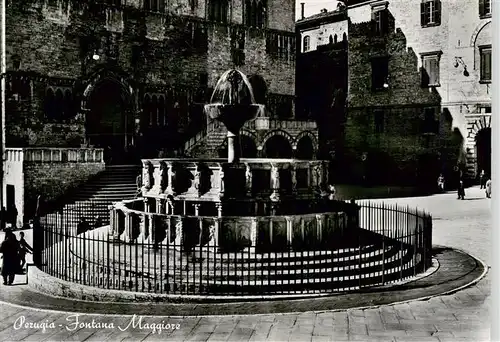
(392, 244)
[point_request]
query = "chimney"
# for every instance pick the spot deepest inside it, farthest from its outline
(301, 10)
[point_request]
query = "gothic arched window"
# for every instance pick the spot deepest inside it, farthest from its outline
(58, 109)
(68, 104)
(255, 13)
(218, 10)
(306, 43)
(153, 119)
(49, 104)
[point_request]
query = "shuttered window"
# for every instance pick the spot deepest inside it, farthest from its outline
(430, 70)
(485, 53)
(430, 13)
(380, 21)
(484, 8)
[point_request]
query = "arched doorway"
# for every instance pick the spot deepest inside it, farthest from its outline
(305, 149)
(483, 150)
(109, 124)
(278, 147)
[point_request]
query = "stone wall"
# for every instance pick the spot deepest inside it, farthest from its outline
(460, 34)
(51, 173)
(179, 56)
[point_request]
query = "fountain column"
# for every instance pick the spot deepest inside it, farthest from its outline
(233, 147)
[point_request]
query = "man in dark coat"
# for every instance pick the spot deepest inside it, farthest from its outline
(10, 263)
(461, 190)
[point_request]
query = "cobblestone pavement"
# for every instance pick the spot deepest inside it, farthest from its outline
(463, 316)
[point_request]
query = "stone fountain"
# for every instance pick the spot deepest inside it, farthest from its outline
(250, 205)
(233, 104)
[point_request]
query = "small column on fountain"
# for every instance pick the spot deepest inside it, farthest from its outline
(147, 205)
(248, 180)
(275, 183)
(319, 228)
(147, 176)
(170, 210)
(293, 174)
(221, 181)
(253, 232)
(163, 171)
(289, 231)
(156, 189)
(218, 205)
(170, 179)
(160, 206)
(197, 179)
(200, 222)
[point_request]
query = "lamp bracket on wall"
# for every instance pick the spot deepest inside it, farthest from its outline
(460, 62)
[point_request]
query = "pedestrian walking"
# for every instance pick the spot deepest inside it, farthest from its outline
(482, 180)
(461, 190)
(441, 182)
(488, 188)
(24, 248)
(10, 257)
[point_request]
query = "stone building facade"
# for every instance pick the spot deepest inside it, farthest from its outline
(452, 40)
(419, 87)
(133, 75)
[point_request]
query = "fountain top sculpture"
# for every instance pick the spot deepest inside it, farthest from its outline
(233, 104)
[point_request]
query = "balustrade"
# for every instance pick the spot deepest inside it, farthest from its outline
(55, 155)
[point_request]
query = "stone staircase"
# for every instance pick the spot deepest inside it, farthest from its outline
(116, 183)
(369, 260)
(206, 142)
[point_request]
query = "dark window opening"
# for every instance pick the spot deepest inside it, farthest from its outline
(484, 8)
(255, 11)
(193, 4)
(238, 47)
(430, 70)
(485, 64)
(59, 104)
(16, 62)
(380, 73)
(380, 21)
(218, 10)
(280, 46)
(430, 13)
(379, 117)
(430, 124)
